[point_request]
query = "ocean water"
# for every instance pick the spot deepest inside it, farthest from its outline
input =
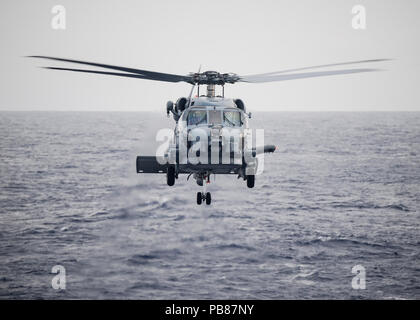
(342, 189)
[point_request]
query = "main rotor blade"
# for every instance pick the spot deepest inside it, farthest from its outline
(145, 74)
(120, 74)
(294, 76)
(314, 67)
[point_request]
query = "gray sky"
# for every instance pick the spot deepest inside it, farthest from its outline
(244, 37)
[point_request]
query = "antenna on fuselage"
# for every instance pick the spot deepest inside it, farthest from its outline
(192, 89)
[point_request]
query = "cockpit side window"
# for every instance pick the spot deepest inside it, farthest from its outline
(231, 119)
(197, 117)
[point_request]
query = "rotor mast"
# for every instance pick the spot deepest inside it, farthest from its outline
(211, 79)
(211, 90)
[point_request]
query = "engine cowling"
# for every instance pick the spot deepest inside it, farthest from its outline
(181, 104)
(240, 104)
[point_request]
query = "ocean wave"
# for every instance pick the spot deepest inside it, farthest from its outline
(363, 205)
(339, 242)
(154, 255)
(233, 246)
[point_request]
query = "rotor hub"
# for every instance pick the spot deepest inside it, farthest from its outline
(213, 77)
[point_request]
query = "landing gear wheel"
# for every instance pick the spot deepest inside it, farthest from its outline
(208, 198)
(199, 198)
(250, 181)
(170, 175)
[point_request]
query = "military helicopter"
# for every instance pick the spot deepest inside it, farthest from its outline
(212, 134)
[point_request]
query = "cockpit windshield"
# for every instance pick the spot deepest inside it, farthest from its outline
(231, 119)
(214, 118)
(197, 117)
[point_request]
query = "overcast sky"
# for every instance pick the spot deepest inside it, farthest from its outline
(241, 36)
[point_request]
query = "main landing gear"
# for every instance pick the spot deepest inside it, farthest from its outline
(170, 175)
(250, 181)
(204, 195)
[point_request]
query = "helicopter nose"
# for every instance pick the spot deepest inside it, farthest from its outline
(215, 134)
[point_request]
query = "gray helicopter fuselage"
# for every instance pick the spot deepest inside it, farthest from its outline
(217, 128)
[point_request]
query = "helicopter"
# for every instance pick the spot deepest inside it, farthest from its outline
(212, 134)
